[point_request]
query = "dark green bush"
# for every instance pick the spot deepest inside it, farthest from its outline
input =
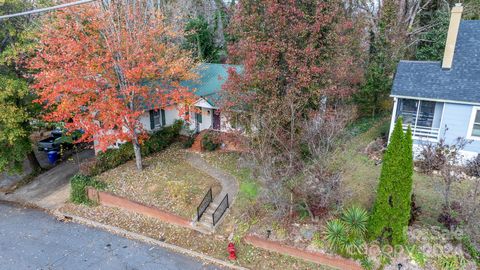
(158, 141)
(189, 142)
(210, 141)
(79, 183)
(161, 139)
(113, 158)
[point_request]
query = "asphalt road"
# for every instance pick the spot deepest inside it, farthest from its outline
(32, 239)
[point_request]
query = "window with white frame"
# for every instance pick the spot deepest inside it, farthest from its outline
(474, 129)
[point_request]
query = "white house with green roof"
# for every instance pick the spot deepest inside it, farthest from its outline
(207, 114)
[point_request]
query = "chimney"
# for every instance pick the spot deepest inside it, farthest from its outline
(455, 19)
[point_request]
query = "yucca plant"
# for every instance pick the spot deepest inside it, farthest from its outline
(336, 235)
(356, 219)
(346, 235)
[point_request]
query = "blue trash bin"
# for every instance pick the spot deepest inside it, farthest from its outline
(52, 157)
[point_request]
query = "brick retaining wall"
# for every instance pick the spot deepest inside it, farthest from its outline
(108, 199)
(316, 257)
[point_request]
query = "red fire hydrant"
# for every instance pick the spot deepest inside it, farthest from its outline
(231, 250)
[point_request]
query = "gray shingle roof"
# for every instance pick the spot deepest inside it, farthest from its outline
(461, 83)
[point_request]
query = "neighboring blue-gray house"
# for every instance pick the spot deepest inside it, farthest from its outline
(443, 98)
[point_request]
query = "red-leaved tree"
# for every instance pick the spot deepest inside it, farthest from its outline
(96, 64)
(301, 60)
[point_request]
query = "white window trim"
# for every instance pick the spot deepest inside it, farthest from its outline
(470, 125)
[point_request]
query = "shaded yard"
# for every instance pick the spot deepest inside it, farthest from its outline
(167, 182)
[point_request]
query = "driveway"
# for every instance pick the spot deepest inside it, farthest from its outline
(50, 189)
(31, 239)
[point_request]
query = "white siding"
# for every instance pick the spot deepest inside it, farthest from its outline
(171, 114)
(207, 119)
(145, 120)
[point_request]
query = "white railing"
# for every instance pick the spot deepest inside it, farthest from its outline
(428, 133)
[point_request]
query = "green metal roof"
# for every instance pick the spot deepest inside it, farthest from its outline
(208, 84)
(210, 81)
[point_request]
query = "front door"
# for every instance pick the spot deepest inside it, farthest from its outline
(216, 119)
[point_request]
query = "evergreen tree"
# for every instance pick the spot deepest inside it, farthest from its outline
(432, 42)
(386, 45)
(391, 211)
(200, 39)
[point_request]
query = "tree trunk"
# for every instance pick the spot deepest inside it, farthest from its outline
(138, 153)
(32, 159)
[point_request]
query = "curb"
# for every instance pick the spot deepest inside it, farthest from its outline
(135, 236)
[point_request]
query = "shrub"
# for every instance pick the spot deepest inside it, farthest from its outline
(449, 216)
(346, 235)
(210, 141)
(189, 142)
(161, 139)
(112, 158)
(157, 141)
(78, 184)
(430, 159)
(356, 220)
(391, 211)
(336, 235)
(473, 167)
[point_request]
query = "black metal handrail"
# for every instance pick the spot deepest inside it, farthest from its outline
(222, 207)
(204, 204)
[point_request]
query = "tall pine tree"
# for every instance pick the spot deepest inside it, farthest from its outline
(391, 211)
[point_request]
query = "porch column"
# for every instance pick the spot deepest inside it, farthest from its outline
(394, 114)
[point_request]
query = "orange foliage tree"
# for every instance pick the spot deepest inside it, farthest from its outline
(95, 66)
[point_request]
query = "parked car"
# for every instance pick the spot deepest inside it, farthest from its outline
(58, 140)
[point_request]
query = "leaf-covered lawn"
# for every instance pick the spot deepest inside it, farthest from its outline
(167, 182)
(215, 246)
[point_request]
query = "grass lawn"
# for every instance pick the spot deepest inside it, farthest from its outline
(360, 179)
(167, 182)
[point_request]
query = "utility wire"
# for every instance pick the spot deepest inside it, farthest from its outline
(40, 10)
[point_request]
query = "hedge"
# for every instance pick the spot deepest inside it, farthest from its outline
(79, 183)
(158, 141)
